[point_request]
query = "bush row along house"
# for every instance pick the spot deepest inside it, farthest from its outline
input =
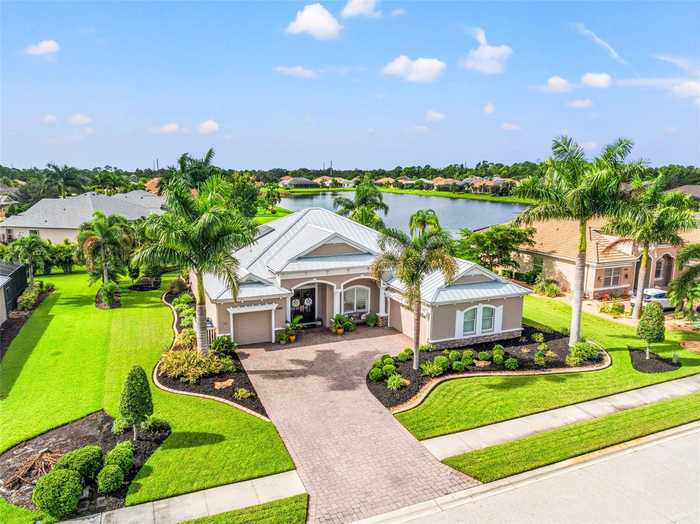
(316, 264)
(612, 265)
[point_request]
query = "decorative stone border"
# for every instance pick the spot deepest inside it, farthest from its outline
(191, 394)
(430, 385)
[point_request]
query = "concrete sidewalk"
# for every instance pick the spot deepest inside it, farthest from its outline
(464, 441)
(203, 503)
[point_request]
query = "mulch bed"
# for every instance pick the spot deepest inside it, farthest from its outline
(96, 429)
(206, 385)
(15, 321)
(655, 364)
(523, 351)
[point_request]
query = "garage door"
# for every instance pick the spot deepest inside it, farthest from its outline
(252, 328)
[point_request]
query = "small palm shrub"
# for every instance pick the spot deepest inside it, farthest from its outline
(191, 366)
(395, 382)
(122, 456)
(110, 479)
(431, 368)
(223, 346)
(511, 363)
(58, 492)
(86, 461)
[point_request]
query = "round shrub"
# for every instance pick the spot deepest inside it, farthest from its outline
(511, 363)
(467, 360)
(110, 479)
(443, 362)
(458, 366)
(498, 348)
(468, 354)
(377, 363)
(385, 356)
(425, 347)
(121, 455)
(58, 492)
(395, 382)
(537, 337)
(408, 351)
(484, 355)
(403, 356)
(498, 359)
(389, 370)
(388, 361)
(376, 374)
(454, 355)
(85, 461)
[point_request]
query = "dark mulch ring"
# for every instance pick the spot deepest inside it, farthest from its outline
(14, 322)
(524, 351)
(94, 429)
(655, 364)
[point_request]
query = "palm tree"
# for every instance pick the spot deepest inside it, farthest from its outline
(423, 219)
(683, 287)
(194, 171)
(364, 206)
(411, 259)
(651, 217)
(66, 178)
(574, 189)
(106, 241)
(198, 233)
(29, 250)
(271, 196)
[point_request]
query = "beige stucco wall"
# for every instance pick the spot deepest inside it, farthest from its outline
(333, 249)
(443, 317)
(373, 292)
(597, 288)
(472, 279)
(401, 319)
(56, 236)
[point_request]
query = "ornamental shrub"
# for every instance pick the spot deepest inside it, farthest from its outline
(403, 357)
(385, 356)
(443, 362)
(155, 424)
(425, 347)
(122, 455)
(498, 358)
(454, 355)
(498, 348)
(223, 346)
(27, 300)
(191, 366)
(136, 403)
(395, 382)
(376, 374)
(389, 370)
(119, 426)
(540, 358)
(187, 318)
(458, 366)
(109, 293)
(580, 352)
(615, 308)
(86, 461)
(185, 339)
(183, 301)
(58, 492)
(372, 319)
(468, 354)
(408, 351)
(388, 361)
(484, 355)
(467, 359)
(538, 337)
(377, 363)
(651, 326)
(110, 479)
(242, 394)
(511, 363)
(431, 368)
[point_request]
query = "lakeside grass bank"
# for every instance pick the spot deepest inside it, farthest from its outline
(418, 192)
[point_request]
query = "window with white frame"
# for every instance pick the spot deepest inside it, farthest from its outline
(356, 300)
(488, 319)
(469, 322)
(659, 268)
(611, 277)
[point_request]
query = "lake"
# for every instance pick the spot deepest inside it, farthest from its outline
(454, 213)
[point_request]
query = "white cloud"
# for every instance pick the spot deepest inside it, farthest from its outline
(296, 71)
(360, 8)
(589, 146)
(557, 84)
(166, 129)
(79, 119)
(75, 137)
(689, 66)
(208, 127)
(49, 119)
(487, 58)
(584, 31)
(317, 21)
(434, 116)
(45, 47)
(596, 79)
(687, 89)
(398, 12)
(418, 70)
(581, 103)
(489, 108)
(509, 126)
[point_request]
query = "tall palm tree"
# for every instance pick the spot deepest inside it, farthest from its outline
(29, 250)
(651, 217)
(365, 204)
(423, 219)
(194, 171)
(66, 178)
(682, 287)
(411, 259)
(199, 232)
(574, 189)
(106, 241)
(366, 216)
(271, 196)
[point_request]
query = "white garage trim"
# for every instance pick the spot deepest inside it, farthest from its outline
(252, 309)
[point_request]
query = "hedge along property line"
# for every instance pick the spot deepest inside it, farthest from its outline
(190, 393)
(432, 384)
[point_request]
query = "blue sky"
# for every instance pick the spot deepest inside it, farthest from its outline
(363, 83)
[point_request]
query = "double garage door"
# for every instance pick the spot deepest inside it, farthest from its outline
(252, 328)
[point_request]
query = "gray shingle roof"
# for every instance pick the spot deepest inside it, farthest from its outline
(142, 198)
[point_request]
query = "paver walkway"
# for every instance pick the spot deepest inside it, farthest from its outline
(203, 503)
(354, 458)
(458, 443)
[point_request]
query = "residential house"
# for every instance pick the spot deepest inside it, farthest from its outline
(612, 265)
(386, 181)
(442, 184)
(152, 185)
(5, 202)
(56, 219)
(404, 181)
(298, 182)
(13, 280)
(324, 181)
(342, 182)
(316, 264)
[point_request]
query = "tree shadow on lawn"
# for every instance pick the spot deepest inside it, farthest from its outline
(24, 343)
(191, 439)
(514, 382)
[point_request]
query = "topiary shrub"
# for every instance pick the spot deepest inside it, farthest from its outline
(376, 374)
(468, 354)
(223, 346)
(122, 455)
(651, 326)
(395, 382)
(403, 357)
(484, 355)
(110, 479)
(136, 403)
(85, 461)
(388, 361)
(458, 366)
(511, 363)
(389, 370)
(443, 362)
(454, 355)
(58, 492)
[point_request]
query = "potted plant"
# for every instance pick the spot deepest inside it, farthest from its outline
(372, 319)
(294, 327)
(282, 337)
(340, 321)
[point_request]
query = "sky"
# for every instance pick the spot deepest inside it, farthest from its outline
(362, 83)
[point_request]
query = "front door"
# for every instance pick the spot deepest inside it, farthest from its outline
(304, 304)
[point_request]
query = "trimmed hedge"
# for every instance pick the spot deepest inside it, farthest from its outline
(110, 479)
(86, 461)
(58, 492)
(122, 455)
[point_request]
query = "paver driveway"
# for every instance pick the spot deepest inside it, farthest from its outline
(354, 458)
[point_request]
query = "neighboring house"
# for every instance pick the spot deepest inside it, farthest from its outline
(293, 182)
(386, 181)
(5, 202)
(56, 219)
(142, 198)
(13, 280)
(405, 182)
(342, 182)
(692, 190)
(152, 185)
(444, 183)
(324, 181)
(612, 265)
(315, 263)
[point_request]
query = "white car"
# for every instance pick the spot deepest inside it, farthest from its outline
(654, 295)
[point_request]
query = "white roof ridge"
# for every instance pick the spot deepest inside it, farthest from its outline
(302, 214)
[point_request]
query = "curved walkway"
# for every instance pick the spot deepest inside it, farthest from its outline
(352, 455)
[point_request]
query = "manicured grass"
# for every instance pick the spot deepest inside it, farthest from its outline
(291, 510)
(70, 359)
(504, 460)
(10, 514)
(264, 215)
(420, 192)
(461, 404)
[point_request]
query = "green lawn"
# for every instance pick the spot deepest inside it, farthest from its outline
(504, 460)
(265, 216)
(10, 514)
(291, 510)
(70, 359)
(461, 404)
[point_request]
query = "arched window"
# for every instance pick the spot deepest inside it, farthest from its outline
(488, 319)
(482, 319)
(356, 299)
(469, 321)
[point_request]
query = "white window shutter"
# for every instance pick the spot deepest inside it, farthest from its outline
(499, 319)
(459, 323)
